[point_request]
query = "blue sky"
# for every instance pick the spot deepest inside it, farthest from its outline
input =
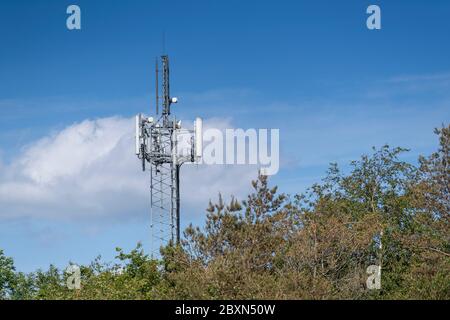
(310, 68)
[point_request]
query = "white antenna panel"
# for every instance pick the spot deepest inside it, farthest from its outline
(138, 134)
(198, 129)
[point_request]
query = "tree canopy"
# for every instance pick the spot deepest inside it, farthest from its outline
(313, 245)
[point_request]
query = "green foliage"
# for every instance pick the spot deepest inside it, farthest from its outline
(315, 245)
(6, 275)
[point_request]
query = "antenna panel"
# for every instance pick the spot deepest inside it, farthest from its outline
(138, 134)
(198, 129)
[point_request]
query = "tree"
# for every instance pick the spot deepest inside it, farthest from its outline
(428, 236)
(319, 244)
(6, 275)
(314, 245)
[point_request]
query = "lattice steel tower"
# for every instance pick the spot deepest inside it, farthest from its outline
(157, 144)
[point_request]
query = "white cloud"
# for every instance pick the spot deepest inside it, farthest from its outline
(89, 171)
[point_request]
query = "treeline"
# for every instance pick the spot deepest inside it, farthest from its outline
(315, 245)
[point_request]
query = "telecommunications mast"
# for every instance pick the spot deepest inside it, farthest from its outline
(159, 145)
